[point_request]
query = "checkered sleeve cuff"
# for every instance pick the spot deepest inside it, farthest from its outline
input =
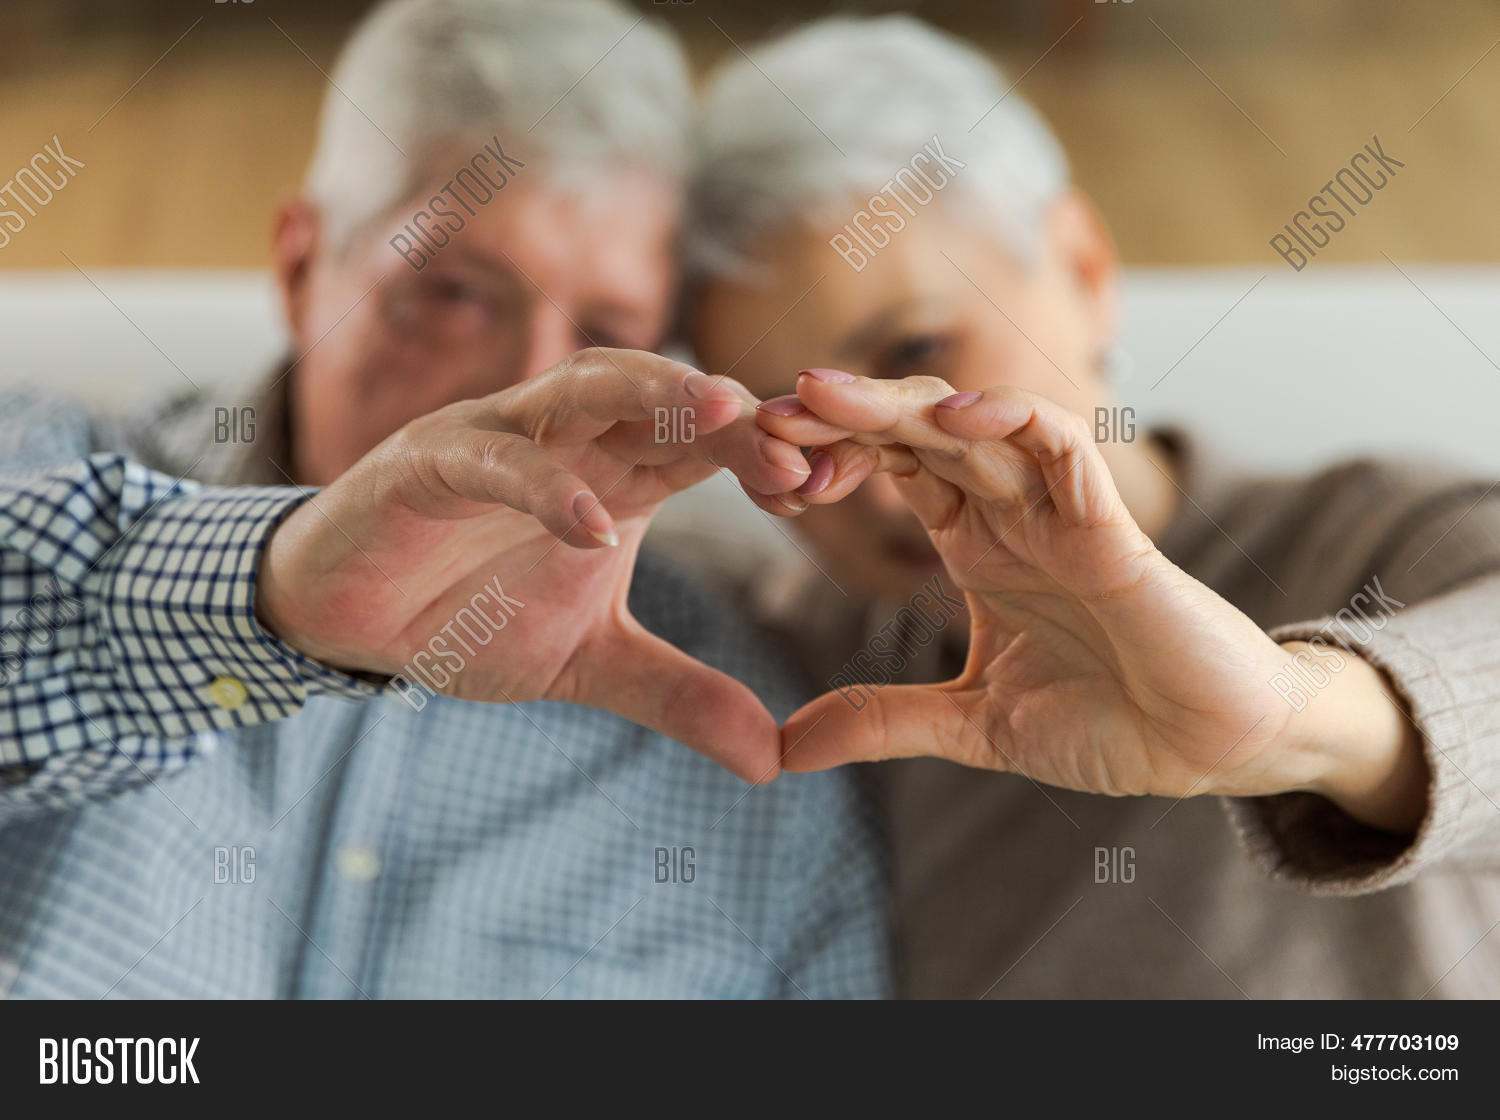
(137, 593)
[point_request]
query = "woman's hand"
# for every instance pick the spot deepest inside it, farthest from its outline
(1094, 663)
(540, 493)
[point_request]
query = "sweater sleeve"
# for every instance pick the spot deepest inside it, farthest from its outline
(1427, 616)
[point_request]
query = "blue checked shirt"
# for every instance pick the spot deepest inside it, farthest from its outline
(190, 808)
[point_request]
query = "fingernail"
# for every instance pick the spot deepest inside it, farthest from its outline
(792, 502)
(822, 473)
(595, 519)
(832, 376)
(702, 386)
(783, 456)
(960, 400)
(783, 406)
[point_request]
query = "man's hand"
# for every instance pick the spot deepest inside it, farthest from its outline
(1094, 663)
(547, 489)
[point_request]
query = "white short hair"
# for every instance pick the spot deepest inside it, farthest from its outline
(815, 122)
(572, 87)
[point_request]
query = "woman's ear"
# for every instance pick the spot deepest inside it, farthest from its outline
(1086, 251)
(295, 239)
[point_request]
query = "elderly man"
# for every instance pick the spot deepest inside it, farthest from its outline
(238, 750)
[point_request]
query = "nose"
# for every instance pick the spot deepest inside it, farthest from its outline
(549, 337)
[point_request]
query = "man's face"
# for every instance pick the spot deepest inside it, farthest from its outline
(535, 275)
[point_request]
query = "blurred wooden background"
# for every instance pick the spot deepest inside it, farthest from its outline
(184, 169)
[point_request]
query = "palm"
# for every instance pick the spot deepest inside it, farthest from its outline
(1149, 698)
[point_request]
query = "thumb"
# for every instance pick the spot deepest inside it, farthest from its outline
(865, 724)
(649, 681)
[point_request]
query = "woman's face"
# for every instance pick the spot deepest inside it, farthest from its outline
(942, 299)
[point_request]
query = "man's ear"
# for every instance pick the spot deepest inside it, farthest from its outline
(1086, 250)
(295, 239)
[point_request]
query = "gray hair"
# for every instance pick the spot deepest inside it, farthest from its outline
(814, 122)
(573, 87)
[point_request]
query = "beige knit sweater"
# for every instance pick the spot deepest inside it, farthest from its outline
(1003, 888)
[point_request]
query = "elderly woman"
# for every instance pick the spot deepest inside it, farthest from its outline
(1134, 638)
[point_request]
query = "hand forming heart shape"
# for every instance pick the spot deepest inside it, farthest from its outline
(543, 490)
(1094, 663)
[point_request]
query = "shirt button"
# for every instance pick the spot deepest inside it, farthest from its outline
(227, 692)
(358, 863)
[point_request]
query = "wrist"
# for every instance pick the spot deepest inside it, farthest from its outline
(1358, 747)
(280, 612)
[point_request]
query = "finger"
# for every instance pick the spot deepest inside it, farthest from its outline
(848, 464)
(672, 429)
(651, 682)
(837, 470)
(763, 462)
(760, 463)
(789, 504)
(778, 505)
(501, 469)
(891, 411)
(671, 433)
(931, 497)
(865, 724)
(1077, 480)
(788, 418)
(586, 394)
(834, 472)
(727, 384)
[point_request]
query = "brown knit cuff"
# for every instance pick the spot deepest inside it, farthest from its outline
(1305, 840)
